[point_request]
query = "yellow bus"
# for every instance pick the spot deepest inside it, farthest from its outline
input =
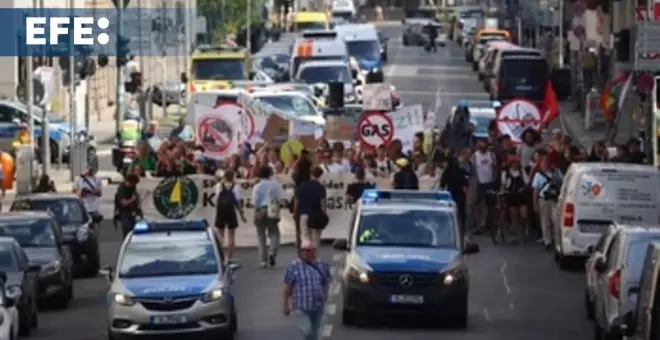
(310, 21)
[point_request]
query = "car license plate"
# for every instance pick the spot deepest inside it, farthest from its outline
(169, 319)
(127, 160)
(407, 299)
(524, 88)
(592, 228)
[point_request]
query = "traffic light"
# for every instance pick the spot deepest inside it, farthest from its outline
(85, 65)
(123, 50)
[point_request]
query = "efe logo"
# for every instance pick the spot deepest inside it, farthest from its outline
(83, 30)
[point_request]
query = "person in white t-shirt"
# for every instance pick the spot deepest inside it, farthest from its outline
(89, 188)
(486, 174)
(383, 162)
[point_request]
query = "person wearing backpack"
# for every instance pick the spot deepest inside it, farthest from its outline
(266, 197)
(546, 184)
(228, 210)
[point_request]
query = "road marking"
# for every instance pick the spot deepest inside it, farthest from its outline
(392, 67)
(335, 288)
(486, 314)
(326, 331)
(337, 257)
(331, 309)
(505, 281)
(511, 306)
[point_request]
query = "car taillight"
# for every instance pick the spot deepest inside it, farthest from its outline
(615, 284)
(191, 88)
(569, 215)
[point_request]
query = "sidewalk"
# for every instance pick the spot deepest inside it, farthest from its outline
(572, 123)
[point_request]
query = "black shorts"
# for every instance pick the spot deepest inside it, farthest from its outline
(482, 189)
(229, 221)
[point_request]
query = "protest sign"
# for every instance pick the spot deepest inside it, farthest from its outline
(218, 129)
(195, 197)
(516, 117)
(377, 97)
(276, 130)
(339, 128)
(407, 121)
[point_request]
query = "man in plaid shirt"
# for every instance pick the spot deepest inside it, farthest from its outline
(306, 288)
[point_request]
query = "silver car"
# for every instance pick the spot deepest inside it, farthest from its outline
(171, 280)
(619, 272)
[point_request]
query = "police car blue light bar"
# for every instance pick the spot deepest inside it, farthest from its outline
(375, 195)
(142, 227)
(479, 103)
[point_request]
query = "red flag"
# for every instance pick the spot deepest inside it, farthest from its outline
(550, 106)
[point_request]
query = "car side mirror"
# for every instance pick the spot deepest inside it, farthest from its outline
(3, 277)
(108, 272)
(600, 265)
(233, 267)
(184, 77)
(471, 248)
(252, 74)
(624, 325)
(341, 244)
(590, 249)
(34, 268)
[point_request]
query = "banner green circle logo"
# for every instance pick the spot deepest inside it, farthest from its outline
(176, 197)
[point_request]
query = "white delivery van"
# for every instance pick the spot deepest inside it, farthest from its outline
(594, 195)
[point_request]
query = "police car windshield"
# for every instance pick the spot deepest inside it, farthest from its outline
(364, 49)
(7, 259)
(65, 211)
(168, 258)
(325, 74)
(406, 228)
(29, 233)
(296, 105)
(218, 69)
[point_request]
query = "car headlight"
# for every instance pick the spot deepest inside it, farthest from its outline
(455, 273)
(51, 268)
(82, 234)
(358, 273)
(122, 299)
(13, 292)
(213, 295)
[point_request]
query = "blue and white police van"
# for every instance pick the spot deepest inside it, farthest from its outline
(405, 255)
(363, 44)
(171, 279)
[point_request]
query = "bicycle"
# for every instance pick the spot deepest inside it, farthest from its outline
(496, 215)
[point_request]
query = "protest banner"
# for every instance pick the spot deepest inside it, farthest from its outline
(195, 197)
(377, 97)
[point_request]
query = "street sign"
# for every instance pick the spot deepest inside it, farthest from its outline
(516, 117)
(648, 44)
(377, 97)
(375, 128)
(125, 3)
(215, 134)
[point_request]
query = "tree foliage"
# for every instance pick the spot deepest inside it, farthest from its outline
(228, 16)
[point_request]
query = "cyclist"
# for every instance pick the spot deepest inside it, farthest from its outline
(515, 184)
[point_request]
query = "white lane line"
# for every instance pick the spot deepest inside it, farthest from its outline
(335, 288)
(511, 306)
(337, 257)
(505, 281)
(486, 314)
(331, 309)
(326, 331)
(392, 67)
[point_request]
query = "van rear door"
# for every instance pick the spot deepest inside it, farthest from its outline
(522, 78)
(619, 195)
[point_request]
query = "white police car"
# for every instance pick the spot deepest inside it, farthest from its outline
(482, 113)
(405, 256)
(171, 280)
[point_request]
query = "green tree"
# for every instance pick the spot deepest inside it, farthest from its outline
(228, 16)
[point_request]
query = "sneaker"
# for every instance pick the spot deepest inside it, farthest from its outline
(271, 260)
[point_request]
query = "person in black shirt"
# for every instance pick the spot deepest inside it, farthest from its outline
(354, 190)
(127, 203)
(301, 173)
(310, 201)
(456, 181)
(405, 178)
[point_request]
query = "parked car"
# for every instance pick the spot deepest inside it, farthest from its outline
(77, 227)
(8, 313)
(21, 283)
(173, 92)
(619, 272)
(38, 233)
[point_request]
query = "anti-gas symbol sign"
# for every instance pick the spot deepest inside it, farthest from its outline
(375, 128)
